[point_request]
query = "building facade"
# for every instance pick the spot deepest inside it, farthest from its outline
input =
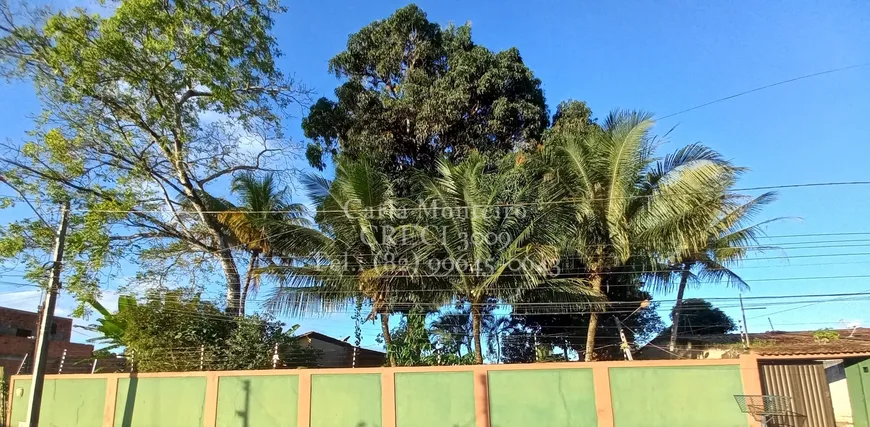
(18, 341)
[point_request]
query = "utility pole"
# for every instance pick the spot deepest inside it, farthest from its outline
(625, 347)
(745, 325)
(41, 356)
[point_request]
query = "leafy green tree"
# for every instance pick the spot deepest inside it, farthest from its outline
(145, 111)
(628, 207)
(489, 245)
(415, 92)
(111, 327)
(171, 330)
(698, 316)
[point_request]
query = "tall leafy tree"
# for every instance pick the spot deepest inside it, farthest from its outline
(700, 317)
(415, 92)
(489, 243)
(145, 111)
(627, 207)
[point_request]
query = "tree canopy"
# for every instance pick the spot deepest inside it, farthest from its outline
(174, 330)
(699, 317)
(415, 92)
(145, 112)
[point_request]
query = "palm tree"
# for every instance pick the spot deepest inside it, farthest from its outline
(350, 254)
(452, 329)
(254, 224)
(490, 245)
(496, 327)
(718, 247)
(627, 207)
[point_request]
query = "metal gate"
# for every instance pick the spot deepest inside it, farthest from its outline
(806, 384)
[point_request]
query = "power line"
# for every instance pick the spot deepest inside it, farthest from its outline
(716, 101)
(502, 205)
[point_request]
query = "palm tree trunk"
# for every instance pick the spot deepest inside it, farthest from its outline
(388, 340)
(593, 321)
(255, 255)
(677, 308)
(475, 331)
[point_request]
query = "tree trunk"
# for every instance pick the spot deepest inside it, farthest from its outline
(672, 345)
(475, 331)
(388, 340)
(255, 255)
(593, 322)
(234, 282)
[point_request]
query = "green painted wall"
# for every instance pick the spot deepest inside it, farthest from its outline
(549, 397)
(858, 382)
(346, 400)
(19, 404)
(163, 402)
(258, 401)
(435, 399)
(677, 397)
(65, 403)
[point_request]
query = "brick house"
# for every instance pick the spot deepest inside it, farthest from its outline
(18, 338)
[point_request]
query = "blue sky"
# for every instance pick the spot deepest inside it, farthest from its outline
(663, 57)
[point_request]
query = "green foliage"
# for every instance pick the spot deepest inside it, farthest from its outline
(415, 92)
(825, 335)
(144, 111)
(171, 330)
(412, 344)
(698, 316)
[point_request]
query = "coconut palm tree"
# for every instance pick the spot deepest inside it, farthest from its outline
(350, 254)
(718, 248)
(489, 241)
(626, 206)
(254, 224)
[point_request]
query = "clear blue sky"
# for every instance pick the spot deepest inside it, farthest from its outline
(663, 57)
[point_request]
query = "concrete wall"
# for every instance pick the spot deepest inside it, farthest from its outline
(606, 394)
(858, 383)
(73, 402)
(676, 396)
(835, 372)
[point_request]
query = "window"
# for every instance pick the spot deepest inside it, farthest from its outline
(53, 328)
(23, 332)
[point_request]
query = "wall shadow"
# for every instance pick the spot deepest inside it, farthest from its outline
(130, 402)
(245, 413)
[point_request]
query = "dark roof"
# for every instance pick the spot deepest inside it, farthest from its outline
(780, 343)
(331, 340)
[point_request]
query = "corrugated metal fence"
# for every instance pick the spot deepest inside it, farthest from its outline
(806, 384)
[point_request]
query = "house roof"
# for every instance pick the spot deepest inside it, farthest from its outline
(331, 340)
(781, 343)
